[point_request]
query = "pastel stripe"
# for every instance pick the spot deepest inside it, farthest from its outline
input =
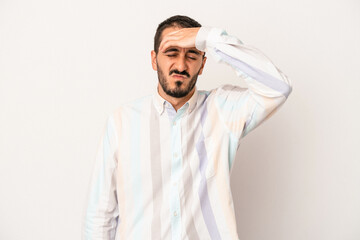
(136, 177)
(176, 169)
(206, 208)
(257, 74)
(120, 183)
(104, 155)
(221, 191)
(156, 171)
(191, 231)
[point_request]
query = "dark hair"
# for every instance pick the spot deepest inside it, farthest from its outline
(174, 21)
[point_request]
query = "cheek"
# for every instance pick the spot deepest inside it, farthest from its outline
(195, 68)
(164, 66)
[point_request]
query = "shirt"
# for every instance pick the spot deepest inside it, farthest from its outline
(165, 174)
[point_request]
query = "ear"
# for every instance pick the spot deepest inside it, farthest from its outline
(202, 65)
(153, 60)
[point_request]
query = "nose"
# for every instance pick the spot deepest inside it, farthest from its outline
(180, 63)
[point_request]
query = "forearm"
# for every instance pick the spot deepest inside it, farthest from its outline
(258, 71)
(243, 109)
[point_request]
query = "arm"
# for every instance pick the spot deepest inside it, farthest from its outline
(243, 109)
(101, 212)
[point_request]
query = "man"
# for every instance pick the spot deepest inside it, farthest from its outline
(163, 166)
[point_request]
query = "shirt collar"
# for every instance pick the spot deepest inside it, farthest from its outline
(160, 102)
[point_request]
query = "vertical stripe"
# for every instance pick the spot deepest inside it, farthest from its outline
(206, 208)
(156, 173)
(176, 170)
(103, 155)
(136, 176)
(233, 144)
(220, 190)
(120, 183)
(190, 231)
(257, 74)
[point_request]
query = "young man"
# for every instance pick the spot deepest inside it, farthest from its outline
(163, 166)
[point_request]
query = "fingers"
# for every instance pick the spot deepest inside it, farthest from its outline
(184, 38)
(171, 39)
(167, 42)
(176, 42)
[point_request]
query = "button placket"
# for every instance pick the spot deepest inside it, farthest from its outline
(176, 162)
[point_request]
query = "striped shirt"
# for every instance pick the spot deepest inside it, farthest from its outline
(165, 174)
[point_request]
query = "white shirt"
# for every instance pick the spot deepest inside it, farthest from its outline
(162, 174)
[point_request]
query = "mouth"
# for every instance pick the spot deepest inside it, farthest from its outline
(177, 76)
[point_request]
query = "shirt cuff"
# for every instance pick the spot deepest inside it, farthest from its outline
(207, 37)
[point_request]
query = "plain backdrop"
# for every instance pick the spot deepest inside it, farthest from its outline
(65, 65)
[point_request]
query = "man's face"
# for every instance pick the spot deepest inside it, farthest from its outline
(178, 68)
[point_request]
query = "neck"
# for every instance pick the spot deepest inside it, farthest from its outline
(175, 102)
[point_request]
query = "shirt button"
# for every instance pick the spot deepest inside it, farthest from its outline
(175, 155)
(174, 184)
(174, 123)
(175, 213)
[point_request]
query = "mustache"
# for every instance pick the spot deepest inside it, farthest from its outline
(180, 73)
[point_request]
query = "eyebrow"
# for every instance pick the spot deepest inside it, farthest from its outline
(194, 51)
(177, 50)
(172, 50)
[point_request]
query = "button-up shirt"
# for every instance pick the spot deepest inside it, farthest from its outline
(165, 174)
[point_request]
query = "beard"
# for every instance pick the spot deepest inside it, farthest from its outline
(178, 91)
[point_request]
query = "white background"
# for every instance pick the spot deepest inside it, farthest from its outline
(66, 64)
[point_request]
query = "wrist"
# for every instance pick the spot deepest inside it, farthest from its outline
(207, 37)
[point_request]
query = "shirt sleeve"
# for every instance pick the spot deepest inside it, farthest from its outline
(101, 212)
(243, 109)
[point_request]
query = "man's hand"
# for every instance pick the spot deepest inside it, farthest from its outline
(183, 38)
